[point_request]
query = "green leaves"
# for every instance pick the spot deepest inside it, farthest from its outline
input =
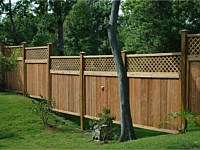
(85, 28)
(9, 64)
(43, 108)
(192, 120)
(154, 26)
(104, 119)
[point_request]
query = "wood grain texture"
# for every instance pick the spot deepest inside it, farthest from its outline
(65, 92)
(14, 80)
(36, 79)
(102, 92)
(194, 87)
(153, 99)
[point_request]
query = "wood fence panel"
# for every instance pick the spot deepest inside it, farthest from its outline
(65, 92)
(36, 80)
(152, 100)
(194, 86)
(102, 92)
(14, 80)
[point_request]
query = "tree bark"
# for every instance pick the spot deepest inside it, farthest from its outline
(58, 10)
(127, 129)
(60, 35)
(12, 22)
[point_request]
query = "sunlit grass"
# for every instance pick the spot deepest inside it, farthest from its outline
(20, 128)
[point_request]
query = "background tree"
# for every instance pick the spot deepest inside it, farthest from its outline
(145, 26)
(154, 26)
(61, 10)
(22, 25)
(85, 28)
(127, 130)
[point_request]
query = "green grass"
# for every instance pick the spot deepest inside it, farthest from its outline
(20, 128)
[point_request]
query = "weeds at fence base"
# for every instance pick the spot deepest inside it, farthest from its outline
(192, 120)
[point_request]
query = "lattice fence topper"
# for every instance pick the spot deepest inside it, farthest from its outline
(100, 64)
(9, 50)
(170, 63)
(37, 53)
(194, 45)
(65, 64)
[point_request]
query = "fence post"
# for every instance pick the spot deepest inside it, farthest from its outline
(82, 91)
(49, 47)
(184, 53)
(24, 68)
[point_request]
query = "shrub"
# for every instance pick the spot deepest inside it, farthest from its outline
(102, 128)
(43, 108)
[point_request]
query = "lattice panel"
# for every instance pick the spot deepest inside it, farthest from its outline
(37, 54)
(65, 64)
(7, 51)
(99, 64)
(194, 45)
(154, 64)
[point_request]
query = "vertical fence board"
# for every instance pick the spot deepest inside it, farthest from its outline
(163, 104)
(113, 98)
(144, 101)
(194, 93)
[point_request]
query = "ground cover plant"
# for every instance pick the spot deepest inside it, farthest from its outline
(20, 128)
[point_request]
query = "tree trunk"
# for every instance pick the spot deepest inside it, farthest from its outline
(58, 10)
(60, 35)
(12, 23)
(127, 130)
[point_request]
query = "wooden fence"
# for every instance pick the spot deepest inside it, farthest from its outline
(82, 85)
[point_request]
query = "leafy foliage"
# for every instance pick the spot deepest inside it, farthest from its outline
(104, 119)
(85, 28)
(9, 64)
(154, 26)
(192, 120)
(102, 128)
(79, 25)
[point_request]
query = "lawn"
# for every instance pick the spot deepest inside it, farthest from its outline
(20, 128)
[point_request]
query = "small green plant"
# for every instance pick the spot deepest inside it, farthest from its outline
(9, 64)
(102, 128)
(43, 108)
(104, 119)
(191, 120)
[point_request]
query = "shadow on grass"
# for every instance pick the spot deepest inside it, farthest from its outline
(140, 133)
(75, 119)
(8, 135)
(184, 146)
(8, 93)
